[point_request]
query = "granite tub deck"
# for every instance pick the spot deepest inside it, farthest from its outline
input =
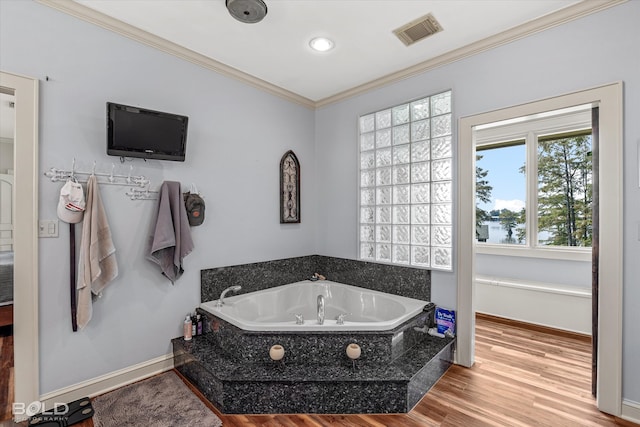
(394, 372)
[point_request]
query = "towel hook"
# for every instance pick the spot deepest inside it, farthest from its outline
(93, 170)
(111, 178)
(129, 176)
(73, 169)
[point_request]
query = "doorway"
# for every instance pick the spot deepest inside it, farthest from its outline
(534, 218)
(25, 243)
(7, 132)
(609, 351)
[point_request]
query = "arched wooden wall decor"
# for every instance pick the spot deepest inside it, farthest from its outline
(289, 188)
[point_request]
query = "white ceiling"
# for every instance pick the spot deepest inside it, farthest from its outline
(276, 49)
(274, 54)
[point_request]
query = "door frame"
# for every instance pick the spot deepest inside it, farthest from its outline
(610, 100)
(25, 305)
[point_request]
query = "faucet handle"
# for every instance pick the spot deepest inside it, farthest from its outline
(340, 318)
(299, 318)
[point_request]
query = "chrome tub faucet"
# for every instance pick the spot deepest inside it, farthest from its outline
(220, 302)
(320, 307)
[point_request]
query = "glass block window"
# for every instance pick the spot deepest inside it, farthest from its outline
(406, 184)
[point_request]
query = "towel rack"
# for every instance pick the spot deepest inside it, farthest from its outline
(138, 181)
(136, 193)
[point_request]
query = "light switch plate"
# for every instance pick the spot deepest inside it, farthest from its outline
(48, 228)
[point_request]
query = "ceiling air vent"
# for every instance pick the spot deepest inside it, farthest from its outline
(418, 29)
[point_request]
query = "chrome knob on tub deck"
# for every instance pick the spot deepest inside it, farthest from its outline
(220, 302)
(340, 318)
(320, 310)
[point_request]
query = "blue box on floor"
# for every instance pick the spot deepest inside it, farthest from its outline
(445, 320)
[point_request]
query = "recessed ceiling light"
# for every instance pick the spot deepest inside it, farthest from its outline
(321, 44)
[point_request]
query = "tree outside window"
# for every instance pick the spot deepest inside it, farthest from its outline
(565, 186)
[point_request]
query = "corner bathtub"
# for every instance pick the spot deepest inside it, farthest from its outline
(274, 309)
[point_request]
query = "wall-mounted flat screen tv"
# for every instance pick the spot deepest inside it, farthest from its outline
(138, 132)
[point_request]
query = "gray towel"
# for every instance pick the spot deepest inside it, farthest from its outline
(97, 265)
(170, 240)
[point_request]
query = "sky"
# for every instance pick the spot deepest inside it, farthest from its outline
(509, 184)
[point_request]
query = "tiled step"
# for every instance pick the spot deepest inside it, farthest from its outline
(264, 386)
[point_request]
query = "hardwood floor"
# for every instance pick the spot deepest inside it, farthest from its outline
(6, 372)
(6, 315)
(523, 376)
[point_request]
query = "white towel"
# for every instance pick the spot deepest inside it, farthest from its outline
(97, 265)
(170, 239)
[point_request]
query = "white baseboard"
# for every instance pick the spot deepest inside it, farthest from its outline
(108, 382)
(630, 411)
(545, 304)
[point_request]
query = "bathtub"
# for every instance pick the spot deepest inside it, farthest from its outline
(274, 309)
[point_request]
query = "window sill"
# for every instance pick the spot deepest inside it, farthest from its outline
(398, 264)
(581, 254)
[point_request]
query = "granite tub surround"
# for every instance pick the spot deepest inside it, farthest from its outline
(256, 276)
(393, 279)
(405, 281)
(261, 386)
(232, 367)
(316, 347)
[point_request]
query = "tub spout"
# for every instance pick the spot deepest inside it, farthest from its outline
(220, 302)
(320, 310)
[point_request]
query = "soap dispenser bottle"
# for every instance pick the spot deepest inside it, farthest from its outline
(199, 322)
(187, 328)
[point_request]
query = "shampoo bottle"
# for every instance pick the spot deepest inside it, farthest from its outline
(194, 325)
(187, 328)
(199, 320)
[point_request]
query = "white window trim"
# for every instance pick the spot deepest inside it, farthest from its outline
(558, 252)
(528, 131)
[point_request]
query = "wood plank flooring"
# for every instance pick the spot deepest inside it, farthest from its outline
(6, 372)
(6, 315)
(523, 376)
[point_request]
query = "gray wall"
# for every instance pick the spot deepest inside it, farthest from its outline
(237, 135)
(595, 50)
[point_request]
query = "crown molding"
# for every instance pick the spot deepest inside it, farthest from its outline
(568, 14)
(98, 18)
(562, 16)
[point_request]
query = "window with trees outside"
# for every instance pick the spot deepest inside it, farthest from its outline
(534, 179)
(405, 176)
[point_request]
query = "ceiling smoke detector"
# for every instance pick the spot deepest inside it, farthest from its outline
(247, 11)
(418, 29)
